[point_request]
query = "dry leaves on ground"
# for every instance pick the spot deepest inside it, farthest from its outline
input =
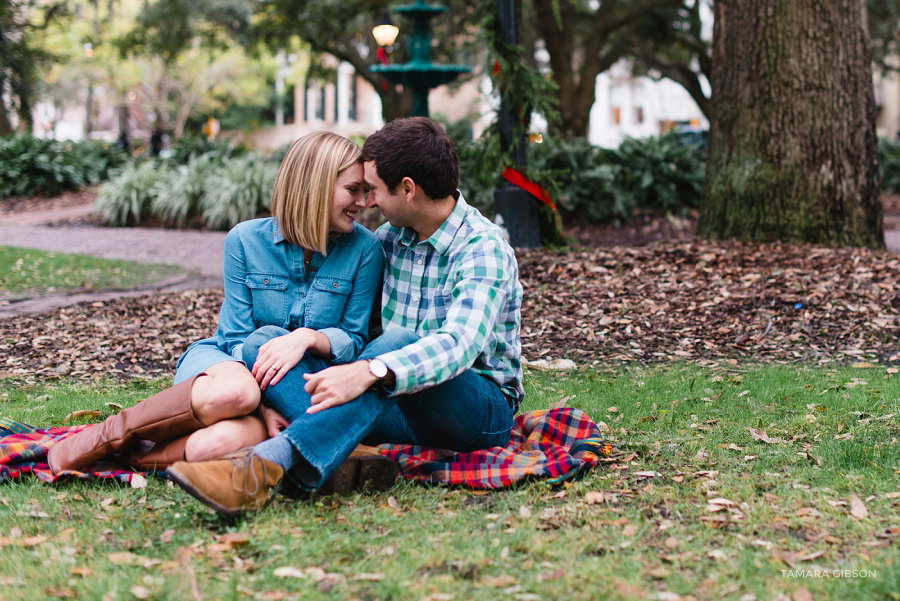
(697, 301)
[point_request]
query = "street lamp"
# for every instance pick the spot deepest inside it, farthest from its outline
(420, 74)
(385, 31)
(512, 203)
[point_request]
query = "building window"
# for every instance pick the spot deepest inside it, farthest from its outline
(616, 115)
(351, 109)
(638, 114)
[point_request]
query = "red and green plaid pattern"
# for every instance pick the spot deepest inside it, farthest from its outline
(23, 450)
(560, 444)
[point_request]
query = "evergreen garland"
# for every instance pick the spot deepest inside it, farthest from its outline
(529, 92)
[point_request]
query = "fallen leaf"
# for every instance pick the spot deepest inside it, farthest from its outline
(122, 558)
(525, 513)
(81, 413)
(802, 594)
(368, 577)
(809, 512)
(234, 539)
(554, 575)
(82, 571)
(288, 572)
(166, 536)
(763, 437)
(138, 481)
(857, 508)
(140, 592)
(392, 502)
(60, 592)
(612, 409)
(629, 591)
(720, 501)
(594, 497)
(629, 530)
(892, 495)
(671, 542)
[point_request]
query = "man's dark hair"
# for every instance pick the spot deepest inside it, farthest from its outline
(417, 148)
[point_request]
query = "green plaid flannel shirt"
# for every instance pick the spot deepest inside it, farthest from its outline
(460, 291)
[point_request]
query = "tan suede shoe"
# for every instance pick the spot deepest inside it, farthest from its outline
(236, 483)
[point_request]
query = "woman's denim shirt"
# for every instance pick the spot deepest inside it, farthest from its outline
(265, 284)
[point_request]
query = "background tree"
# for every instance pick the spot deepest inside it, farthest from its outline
(792, 138)
(22, 57)
(582, 40)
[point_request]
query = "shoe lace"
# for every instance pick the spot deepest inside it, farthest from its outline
(244, 463)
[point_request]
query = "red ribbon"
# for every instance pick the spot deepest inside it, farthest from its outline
(516, 178)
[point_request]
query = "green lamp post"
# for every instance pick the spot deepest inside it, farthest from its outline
(420, 74)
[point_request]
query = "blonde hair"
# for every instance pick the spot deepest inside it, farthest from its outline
(304, 188)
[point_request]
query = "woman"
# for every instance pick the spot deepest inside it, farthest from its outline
(309, 269)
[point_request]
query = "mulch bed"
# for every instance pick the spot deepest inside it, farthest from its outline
(692, 300)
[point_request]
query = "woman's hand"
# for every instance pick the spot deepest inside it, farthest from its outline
(274, 421)
(277, 356)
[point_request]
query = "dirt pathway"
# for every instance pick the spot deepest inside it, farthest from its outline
(199, 252)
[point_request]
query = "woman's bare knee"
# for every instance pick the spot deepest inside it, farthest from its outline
(224, 437)
(228, 390)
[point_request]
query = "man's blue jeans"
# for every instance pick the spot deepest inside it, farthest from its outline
(466, 413)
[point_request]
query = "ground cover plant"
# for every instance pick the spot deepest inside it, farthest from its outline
(27, 273)
(730, 482)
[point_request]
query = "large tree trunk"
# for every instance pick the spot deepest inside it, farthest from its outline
(792, 139)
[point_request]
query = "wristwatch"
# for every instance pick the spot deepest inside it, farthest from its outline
(378, 369)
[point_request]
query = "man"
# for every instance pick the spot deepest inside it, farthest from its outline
(446, 371)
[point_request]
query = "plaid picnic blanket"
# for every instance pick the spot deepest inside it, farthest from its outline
(23, 450)
(560, 444)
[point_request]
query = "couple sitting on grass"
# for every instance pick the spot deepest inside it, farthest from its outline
(291, 387)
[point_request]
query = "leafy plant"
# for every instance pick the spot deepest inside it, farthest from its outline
(662, 173)
(128, 198)
(189, 148)
(177, 197)
(889, 159)
(239, 190)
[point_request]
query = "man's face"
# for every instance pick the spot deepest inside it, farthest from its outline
(393, 205)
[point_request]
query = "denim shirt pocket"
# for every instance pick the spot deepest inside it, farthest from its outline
(270, 298)
(327, 297)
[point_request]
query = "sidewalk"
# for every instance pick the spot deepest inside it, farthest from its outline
(199, 252)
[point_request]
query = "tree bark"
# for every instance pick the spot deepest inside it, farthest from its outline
(793, 152)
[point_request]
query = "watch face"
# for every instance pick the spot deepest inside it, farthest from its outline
(378, 368)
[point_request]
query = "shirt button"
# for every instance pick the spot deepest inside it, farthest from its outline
(302, 295)
(415, 299)
(419, 262)
(265, 282)
(335, 284)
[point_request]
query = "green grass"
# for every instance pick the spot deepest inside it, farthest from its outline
(645, 536)
(27, 273)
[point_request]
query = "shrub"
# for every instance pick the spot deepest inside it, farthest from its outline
(189, 148)
(30, 165)
(662, 173)
(593, 184)
(128, 197)
(889, 159)
(238, 190)
(177, 197)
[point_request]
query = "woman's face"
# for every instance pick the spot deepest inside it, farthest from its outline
(349, 197)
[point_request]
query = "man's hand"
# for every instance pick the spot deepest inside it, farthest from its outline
(274, 421)
(337, 385)
(277, 356)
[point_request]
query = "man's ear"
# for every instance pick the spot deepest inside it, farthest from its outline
(408, 186)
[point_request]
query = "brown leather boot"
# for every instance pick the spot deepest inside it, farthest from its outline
(239, 482)
(163, 416)
(157, 458)
(364, 469)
